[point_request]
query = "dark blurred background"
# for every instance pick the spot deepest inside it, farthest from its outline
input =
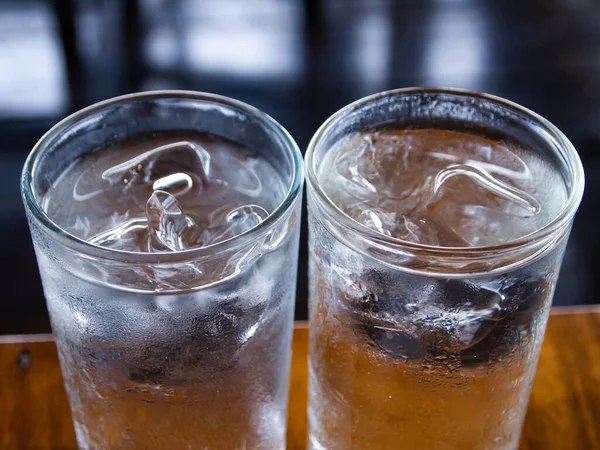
(298, 60)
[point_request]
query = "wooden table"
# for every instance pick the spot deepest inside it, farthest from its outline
(564, 411)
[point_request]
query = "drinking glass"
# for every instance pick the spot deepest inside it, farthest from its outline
(417, 346)
(182, 349)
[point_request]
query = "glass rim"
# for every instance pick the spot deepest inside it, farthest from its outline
(55, 231)
(555, 226)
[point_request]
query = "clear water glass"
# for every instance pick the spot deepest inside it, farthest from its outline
(171, 349)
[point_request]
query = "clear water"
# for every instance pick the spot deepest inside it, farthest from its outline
(441, 188)
(204, 365)
(165, 192)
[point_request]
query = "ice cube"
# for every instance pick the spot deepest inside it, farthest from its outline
(528, 206)
(480, 154)
(526, 296)
(227, 222)
(160, 162)
(522, 299)
(467, 311)
(384, 223)
(169, 229)
(81, 226)
(440, 187)
(127, 236)
(176, 168)
(110, 188)
(349, 166)
(209, 341)
(408, 317)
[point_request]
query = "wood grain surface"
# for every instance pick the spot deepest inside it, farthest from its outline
(564, 411)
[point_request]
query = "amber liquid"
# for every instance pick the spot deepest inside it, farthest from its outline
(362, 399)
